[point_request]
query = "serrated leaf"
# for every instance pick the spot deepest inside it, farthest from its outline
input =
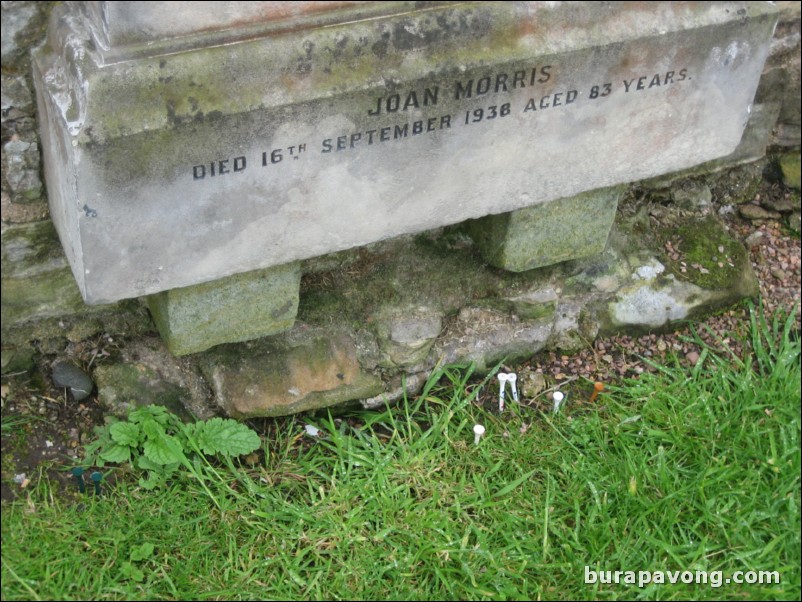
(146, 464)
(163, 450)
(117, 454)
(152, 429)
(158, 414)
(129, 571)
(142, 552)
(151, 482)
(125, 433)
(226, 436)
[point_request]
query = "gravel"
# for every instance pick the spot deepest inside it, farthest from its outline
(775, 255)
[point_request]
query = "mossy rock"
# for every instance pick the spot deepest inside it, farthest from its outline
(790, 168)
(708, 256)
(124, 387)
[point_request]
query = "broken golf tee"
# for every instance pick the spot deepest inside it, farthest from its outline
(502, 384)
(478, 431)
(558, 400)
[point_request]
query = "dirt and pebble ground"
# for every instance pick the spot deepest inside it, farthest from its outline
(44, 429)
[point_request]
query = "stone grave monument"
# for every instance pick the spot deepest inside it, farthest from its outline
(196, 152)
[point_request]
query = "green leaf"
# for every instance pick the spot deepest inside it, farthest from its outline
(142, 552)
(145, 463)
(117, 454)
(164, 450)
(158, 414)
(125, 433)
(225, 436)
(160, 447)
(152, 481)
(129, 571)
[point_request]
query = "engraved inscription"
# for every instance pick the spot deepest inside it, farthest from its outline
(470, 89)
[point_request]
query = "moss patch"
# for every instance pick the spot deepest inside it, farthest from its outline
(703, 253)
(123, 387)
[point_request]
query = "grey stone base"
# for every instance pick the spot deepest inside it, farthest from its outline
(542, 235)
(374, 322)
(238, 308)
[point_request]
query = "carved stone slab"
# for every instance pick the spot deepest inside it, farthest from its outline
(173, 161)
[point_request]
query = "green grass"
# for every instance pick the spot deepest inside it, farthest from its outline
(696, 470)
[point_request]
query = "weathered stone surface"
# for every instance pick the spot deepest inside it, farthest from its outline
(573, 326)
(21, 213)
(124, 387)
(755, 140)
(781, 204)
(124, 30)
(691, 194)
(785, 58)
(486, 337)
(711, 270)
(244, 155)
(78, 382)
(790, 168)
(146, 374)
(36, 281)
(16, 98)
(538, 303)
(752, 211)
(400, 387)
(20, 26)
(284, 375)
(22, 170)
(407, 333)
(795, 221)
(16, 358)
(569, 228)
(739, 185)
(17, 105)
(237, 308)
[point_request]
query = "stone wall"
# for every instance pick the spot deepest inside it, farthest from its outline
(373, 321)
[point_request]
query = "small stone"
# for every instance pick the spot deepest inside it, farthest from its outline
(67, 376)
(532, 384)
(753, 212)
(691, 194)
(754, 239)
(779, 274)
(692, 357)
(784, 204)
(795, 221)
(22, 170)
(17, 100)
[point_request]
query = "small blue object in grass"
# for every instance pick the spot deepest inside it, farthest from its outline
(78, 473)
(96, 478)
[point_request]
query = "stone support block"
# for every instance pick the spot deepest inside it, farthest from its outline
(237, 308)
(542, 235)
